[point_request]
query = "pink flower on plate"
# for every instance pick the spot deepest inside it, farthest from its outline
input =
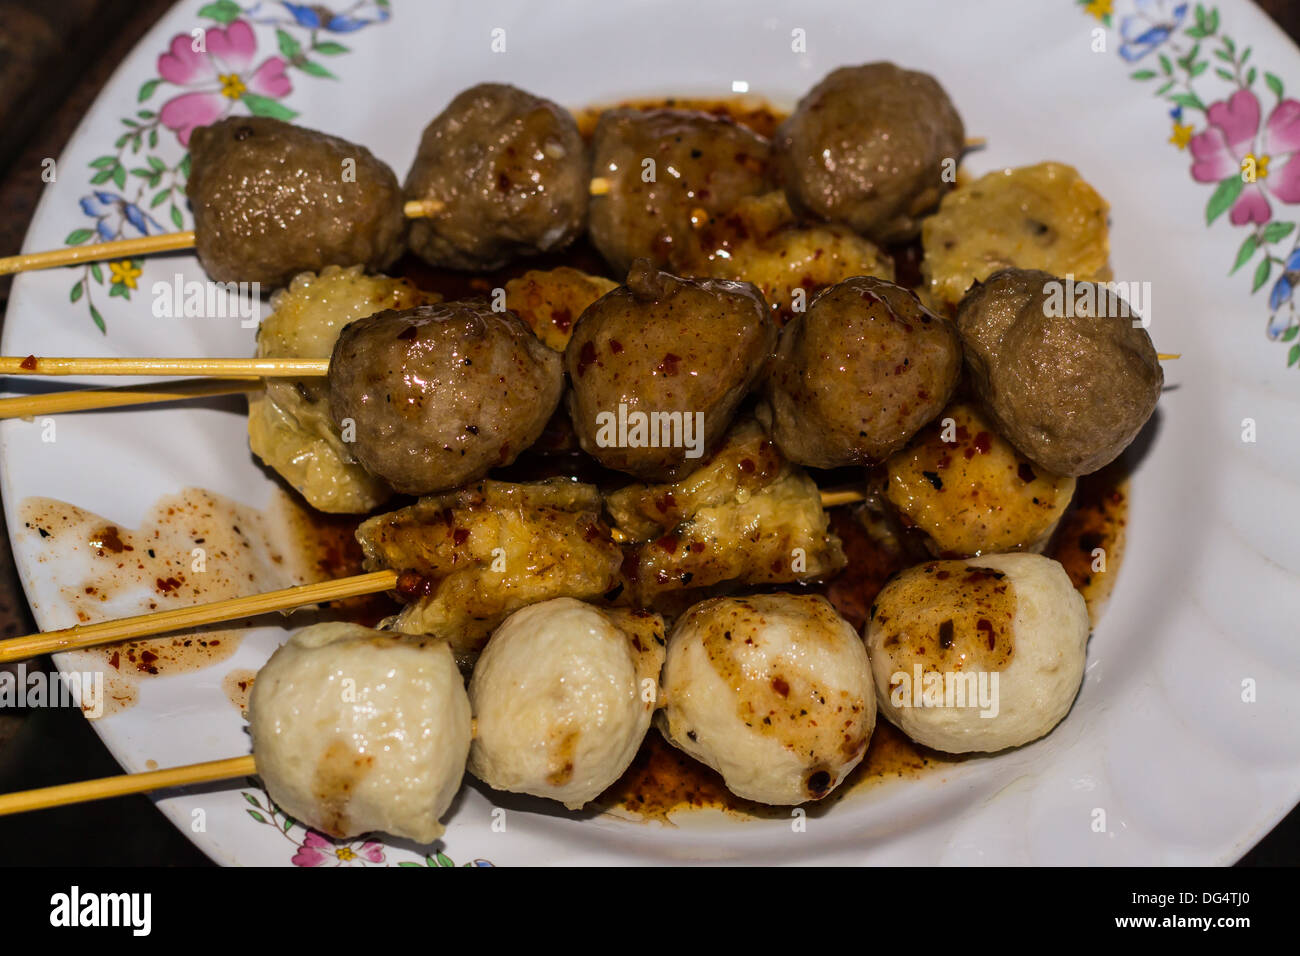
(1234, 137)
(317, 851)
(313, 850)
(221, 76)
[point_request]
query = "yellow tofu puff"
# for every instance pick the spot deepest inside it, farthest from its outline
(550, 301)
(356, 730)
(1044, 216)
(978, 655)
(970, 492)
(772, 691)
(562, 698)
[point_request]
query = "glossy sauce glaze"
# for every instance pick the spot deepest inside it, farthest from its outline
(661, 781)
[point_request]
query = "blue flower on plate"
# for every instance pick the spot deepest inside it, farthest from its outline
(1283, 294)
(1153, 23)
(320, 17)
(116, 218)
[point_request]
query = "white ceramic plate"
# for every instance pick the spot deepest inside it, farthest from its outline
(1186, 732)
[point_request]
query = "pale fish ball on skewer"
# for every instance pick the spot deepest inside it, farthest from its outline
(772, 691)
(980, 654)
(356, 730)
(562, 697)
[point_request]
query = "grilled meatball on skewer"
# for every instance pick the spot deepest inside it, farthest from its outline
(438, 395)
(511, 174)
(270, 200)
(664, 346)
(1070, 388)
(289, 426)
(857, 375)
(702, 165)
(866, 147)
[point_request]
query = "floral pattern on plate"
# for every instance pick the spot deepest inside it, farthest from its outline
(1240, 129)
(215, 71)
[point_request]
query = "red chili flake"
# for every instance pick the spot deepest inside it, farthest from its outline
(28, 364)
(665, 502)
(1025, 472)
(780, 686)
(669, 365)
(668, 543)
(983, 442)
(459, 535)
(586, 356)
(615, 346)
(747, 465)
(562, 319)
(167, 584)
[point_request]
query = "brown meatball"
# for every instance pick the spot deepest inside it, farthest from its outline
(649, 356)
(701, 162)
(866, 147)
(1070, 391)
(858, 374)
(271, 200)
(511, 170)
(440, 394)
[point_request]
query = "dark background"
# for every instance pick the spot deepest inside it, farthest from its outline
(55, 55)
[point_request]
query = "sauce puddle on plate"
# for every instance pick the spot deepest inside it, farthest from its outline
(191, 548)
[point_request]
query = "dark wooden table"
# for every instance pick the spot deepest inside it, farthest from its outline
(55, 55)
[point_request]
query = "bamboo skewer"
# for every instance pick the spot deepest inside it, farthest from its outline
(159, 622)
(122, 784)
(117, 249)
(29, 406)
(215, 368)
(148, 245)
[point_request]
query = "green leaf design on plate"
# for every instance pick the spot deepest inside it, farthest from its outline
(1274, 84)
(1224, 196)
(315, 69)
(1261, 274)
(1290, 333)
(1244, 254)
(1293, 356)
(1188, 100)
(98, 320)
(265, 106)
(176, 218)
(1143, 75)
(252, 799)
(147, 89)
(119, 176)
(223, 11)
(77, 289)
(288, 45)
(330, 48)
(256, 816)
(444, 860)
(97, 273)
(408, 863)
(1277, 230)
(78, 236)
